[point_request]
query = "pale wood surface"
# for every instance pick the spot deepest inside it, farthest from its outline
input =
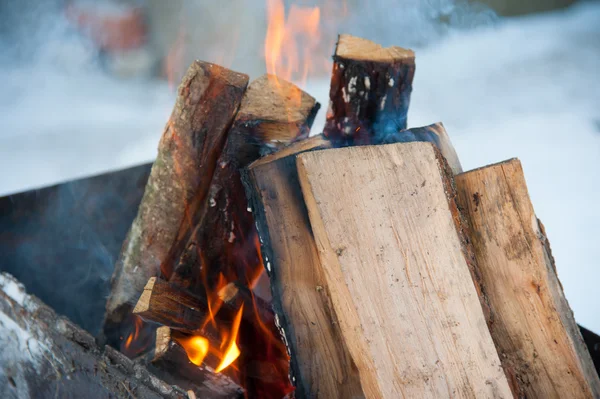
(387, 231)
(357, 48)
(533, 328)
(321, 363)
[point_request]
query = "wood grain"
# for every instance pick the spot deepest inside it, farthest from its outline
(321, 364)
(533, 327)
(389, 239)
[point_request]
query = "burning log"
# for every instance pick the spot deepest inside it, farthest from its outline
(170, 305)
(45, 355)
(297, 281)
(424, 333)
(533, 327)
(208, 99)
(172, 364)
(273, 113)
(370, 91)
(224, 245)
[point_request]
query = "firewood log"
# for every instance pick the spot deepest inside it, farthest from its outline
(533, 328)
(208, 98)
(370, 91)
(171, 363)
(321, 364)
(273, 113)
(45, 355)
(397, 266)
(170, 305)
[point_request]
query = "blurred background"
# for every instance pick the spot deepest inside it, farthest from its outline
(86, 87)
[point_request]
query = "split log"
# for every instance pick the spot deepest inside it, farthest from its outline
(321, 364)
(370, 91)
(436, 134)
(273, 113)
(170, 305)
(171, 363)
(225, 243)
(207, 101)
(397, 267)
(533, 327)
(47, 356)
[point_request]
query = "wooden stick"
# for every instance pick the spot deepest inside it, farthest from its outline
(370, 91)
(533, 327)
(273, 112)
(436, 134)
(396, 265)
(321, 364)
(208, 98)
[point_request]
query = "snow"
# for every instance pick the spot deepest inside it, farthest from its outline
(13, 289)
(525, 87)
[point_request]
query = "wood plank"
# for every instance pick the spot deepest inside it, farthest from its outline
(370, 91)
(320, 362)
(533, 326)
(397, 267)
(208, 99)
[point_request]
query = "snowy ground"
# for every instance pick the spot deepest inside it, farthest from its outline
(526, 88)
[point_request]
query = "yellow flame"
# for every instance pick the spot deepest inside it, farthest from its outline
(232, 352)
(196, 348)
(285, 38)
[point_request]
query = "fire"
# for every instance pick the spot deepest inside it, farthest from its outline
(232, 351)
(286, 36)
(196, 347)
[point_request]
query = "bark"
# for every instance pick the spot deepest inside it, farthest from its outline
(370, 91)
(207, 101)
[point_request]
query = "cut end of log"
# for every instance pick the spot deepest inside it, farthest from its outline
(277, 109)
(163, 338)
(357, 48)
(228, 76)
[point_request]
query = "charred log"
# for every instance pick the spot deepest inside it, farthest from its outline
(370, 91)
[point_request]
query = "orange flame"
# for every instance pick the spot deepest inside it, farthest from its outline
(133, 336)
(232, 351)
(196, 348)
(286, 36)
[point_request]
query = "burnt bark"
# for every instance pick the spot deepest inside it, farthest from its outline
(370, 91)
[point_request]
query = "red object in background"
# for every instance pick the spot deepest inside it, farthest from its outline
(113, 27)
